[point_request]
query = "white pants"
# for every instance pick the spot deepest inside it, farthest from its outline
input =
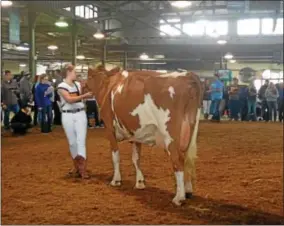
(75, 127)
(206, 106)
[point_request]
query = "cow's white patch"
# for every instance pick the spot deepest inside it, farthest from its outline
(116, 181)
(180, 195)
(153, 122)
(172, 91)
(174, 74)
(125, 74)
(119, 88)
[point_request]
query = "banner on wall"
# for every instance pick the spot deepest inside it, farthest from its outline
(225, 75)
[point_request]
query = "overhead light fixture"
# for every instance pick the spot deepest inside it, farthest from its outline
(181, 4)
(22, 65)
(61, 23)
(99, 35)
(52, 47)
(6, 3)
(51, 34)
(144, 56)
(228, 56)
(232, 61)
(80, 57)
(222, 42)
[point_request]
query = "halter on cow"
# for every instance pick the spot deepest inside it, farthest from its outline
(145, 107)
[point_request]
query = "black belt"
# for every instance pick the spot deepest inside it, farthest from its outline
(73, 110)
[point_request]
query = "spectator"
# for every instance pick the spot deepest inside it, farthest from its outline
(216, 90)
(37, 118)
(93, 113)
(261, 96)
(25, 90)
(271, 95)
(223, 102)
(21, 121)
(206, 99)
(251, 102)
(280, 102)
(51, 93)
(243, 97)
(9, 94)
(234, 100)
(44, 103)
(57, 114)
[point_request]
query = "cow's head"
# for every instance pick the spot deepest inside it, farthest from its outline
(98, 76)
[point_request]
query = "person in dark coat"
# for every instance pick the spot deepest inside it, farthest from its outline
(21, 121)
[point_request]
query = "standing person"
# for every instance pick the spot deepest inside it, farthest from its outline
(206, 99)
(252, 92)
(9, 94)
(216, 90)
(57, 114)
(271, 95)
(280, 102)
(74, 119)
(234, 100)
(44, 103)
(261, 96)
(36, 118)
(93, 113)
(25, 89)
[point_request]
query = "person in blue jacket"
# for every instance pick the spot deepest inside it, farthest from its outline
(44, 104)
(216, 90)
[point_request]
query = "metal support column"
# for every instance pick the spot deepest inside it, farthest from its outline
(32, 48)
(104, 53)
(74, 38)
(125, 61)
(221, 62)
(74, 42)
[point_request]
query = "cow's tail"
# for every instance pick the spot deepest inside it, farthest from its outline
(191, 153)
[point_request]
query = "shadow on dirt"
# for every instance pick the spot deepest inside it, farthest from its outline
(197, 208)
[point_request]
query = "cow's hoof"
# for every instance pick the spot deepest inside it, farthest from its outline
(188, 195)
(115, 183)
(178, 201)
(140, 185)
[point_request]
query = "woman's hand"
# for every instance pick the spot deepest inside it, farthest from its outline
(39, 109)
(87, 95)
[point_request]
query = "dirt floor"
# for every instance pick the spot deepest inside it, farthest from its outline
(240, 180)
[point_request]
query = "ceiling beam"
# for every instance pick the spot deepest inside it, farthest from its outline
(132, 17)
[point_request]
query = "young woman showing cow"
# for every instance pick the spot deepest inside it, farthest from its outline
(145, 107)
(74, 119)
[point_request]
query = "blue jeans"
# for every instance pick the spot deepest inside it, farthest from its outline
(214, 109)
(272, 106)
(234, 106)
(10, 108)
(46, 119)
(251, 110)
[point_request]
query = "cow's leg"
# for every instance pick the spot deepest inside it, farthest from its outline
(136, 150)
(178, 165)
(116, 180)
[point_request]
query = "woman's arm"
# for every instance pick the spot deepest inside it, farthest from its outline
(70, 99)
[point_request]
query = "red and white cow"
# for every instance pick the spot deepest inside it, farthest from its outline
(146, 107)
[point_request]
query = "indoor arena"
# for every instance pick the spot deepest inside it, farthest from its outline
(142, 112)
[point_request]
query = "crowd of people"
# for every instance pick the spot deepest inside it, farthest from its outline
(36, 103)
(242, 102)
